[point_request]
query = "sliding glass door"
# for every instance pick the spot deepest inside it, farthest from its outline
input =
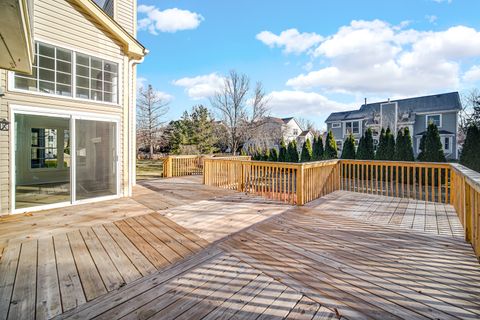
(62, 159)
(95, 159)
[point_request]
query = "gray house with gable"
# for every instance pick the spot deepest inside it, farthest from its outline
(414, 113)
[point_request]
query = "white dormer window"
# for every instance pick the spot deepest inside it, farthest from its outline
(435, 119)
(295, 132)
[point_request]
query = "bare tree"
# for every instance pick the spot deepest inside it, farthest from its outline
(307, 124)
(241, 113)
(151, 107)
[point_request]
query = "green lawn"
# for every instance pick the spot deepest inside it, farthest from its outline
(149, 169)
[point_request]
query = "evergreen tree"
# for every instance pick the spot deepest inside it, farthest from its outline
(282, 154)
(330, 150)
(307, 151)
(390, 146)
(273, 155)
(398, 155)
(431, 149)
(404, 146)
(382, 147)
(292, 152)
(202, 130)
(365, 149)
(470, 156)
(348, 151)
(266, 155)
(317, 148)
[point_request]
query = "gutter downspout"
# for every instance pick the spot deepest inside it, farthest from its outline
(132, 115)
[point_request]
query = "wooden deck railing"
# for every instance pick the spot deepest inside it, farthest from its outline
(466, 201)
(417, 180)
(299, 183)
(187, 165)
(295, 183)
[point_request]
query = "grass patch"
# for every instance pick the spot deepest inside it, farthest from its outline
(149, 169)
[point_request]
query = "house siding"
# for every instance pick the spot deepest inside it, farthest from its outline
(126, 15)
(64, 24)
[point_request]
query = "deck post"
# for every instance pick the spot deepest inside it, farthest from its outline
(300, 185)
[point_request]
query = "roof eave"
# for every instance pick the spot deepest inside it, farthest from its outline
(131, 46)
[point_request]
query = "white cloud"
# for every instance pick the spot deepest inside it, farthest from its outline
(291, 40)
(431, 18)
(441, 1)
(300, 103)
(202, 86)
(141, 82)
(472, 75)
(169, 20)
(377, 58)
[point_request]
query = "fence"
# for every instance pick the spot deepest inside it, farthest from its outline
(299, 183)
(187, 165)
(295, 183)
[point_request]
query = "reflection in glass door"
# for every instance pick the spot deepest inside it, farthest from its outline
(42, 160)
(95, 159)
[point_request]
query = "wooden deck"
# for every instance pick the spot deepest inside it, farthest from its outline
(346, 255)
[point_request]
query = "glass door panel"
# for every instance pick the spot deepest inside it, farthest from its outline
(95, 159)
(42, 160)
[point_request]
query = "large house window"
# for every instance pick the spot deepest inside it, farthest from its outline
(352, 127)
(435, 119)
(96, 79)
(52, 72)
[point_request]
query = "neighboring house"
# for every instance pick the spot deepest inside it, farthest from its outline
(414, 113)
(275, 129)
(71, 137)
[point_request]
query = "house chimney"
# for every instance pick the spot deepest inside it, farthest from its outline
(388, 99)
(365, 101)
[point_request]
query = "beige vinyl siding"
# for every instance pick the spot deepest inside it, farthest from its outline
(4, 151)
(64, 24)
(125, 15)
(62, 21)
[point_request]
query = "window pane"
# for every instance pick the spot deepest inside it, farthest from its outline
(25, 83)
(64, 78)
(83, 71)
(64, 55)
(110, 77)
(107, 97)
(47, 87)
(46, 50)
(82, 59)
(82, 93)
(107, 87)
(97, 74)
(82, 82)
(97, 95)
(95, 84)
(96, 63)
(110, 66)
(64, 66)
(64, 90)
(47, 63)
(47, 75)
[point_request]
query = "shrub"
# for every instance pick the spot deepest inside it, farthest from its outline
(317, 148)
(292, 153)
(282, 154)
(382, 146)
(273, 155)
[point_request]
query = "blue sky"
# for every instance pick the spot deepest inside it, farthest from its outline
(313, 57)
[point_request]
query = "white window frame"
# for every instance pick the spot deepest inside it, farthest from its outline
(432, 115)
(336, 125)
(339, 143)
(72, 115)
(119, 62)
(352, 121)
(450, 143)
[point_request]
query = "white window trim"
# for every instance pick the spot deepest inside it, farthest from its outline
(433, 114)
(336, 125)
(352, 121)
(11, 76)
(442, 140)
(72, 115)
